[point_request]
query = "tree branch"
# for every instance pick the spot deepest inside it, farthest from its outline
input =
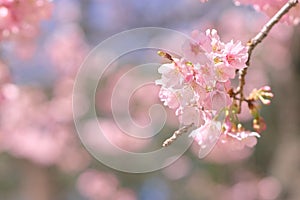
(258, 39)
(176, 134)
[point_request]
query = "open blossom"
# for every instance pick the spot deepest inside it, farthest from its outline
(235, 55)
(207, 136)
(171, 76)
(191, 115)
(239, 140)
(210, 42)
(169, 98)
(217, 100)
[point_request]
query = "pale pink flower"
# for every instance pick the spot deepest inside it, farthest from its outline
(186, 70)
(216, 100)
(193, 50)
(191, 115)
(246, 137)
(224, 72)
(243, 138)
(171, 77)
(235, 55)
(205, 76)
(201, 44)
(223, 153)
(215, 43)
(169, 98)
(186, 96)
(207, 136)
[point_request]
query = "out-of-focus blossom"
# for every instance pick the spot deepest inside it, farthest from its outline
(96, 185)
(5, 75)
(270, 7)
(21, 18)
(110, 137)
(67, 49)
(30, 129)
(267, 188)
(179, 169)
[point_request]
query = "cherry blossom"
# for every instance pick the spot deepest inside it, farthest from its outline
(199, 89)
(207, 136)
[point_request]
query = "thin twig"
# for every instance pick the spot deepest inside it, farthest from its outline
(176, 134)
(258, 39)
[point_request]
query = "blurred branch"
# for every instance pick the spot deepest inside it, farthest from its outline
(268, 26)
(258, 39)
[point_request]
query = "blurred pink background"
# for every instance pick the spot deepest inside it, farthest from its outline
(41, 156)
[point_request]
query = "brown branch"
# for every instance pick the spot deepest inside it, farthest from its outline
(176, 134)
(258, 39)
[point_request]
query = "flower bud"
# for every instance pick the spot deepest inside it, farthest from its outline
(259, 124)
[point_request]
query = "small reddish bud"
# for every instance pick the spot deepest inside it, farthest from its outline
(259, 124)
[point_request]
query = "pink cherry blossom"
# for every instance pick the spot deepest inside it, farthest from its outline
(207, 136)
(216, 45)
(171, 76)
(239, 140)
(169, 98)
(224, 72)
(191, 115)
(199, 91)
(235, 55)
(217, 100)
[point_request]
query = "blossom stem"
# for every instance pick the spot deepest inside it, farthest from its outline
(258, 39)
(176, 134)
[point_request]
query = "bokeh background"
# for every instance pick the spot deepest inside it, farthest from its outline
(41, 157)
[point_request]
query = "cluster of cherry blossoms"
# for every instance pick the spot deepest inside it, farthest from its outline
(198, 87)
(22, 17)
